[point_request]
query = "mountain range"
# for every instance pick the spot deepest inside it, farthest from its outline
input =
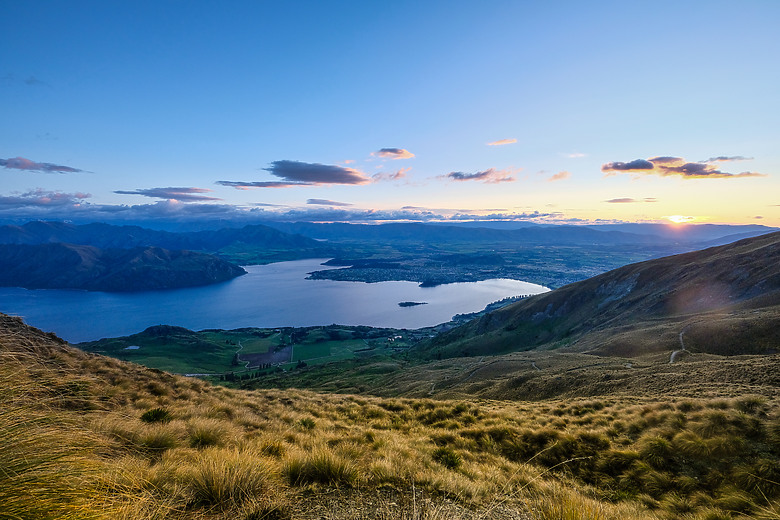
(110, 236)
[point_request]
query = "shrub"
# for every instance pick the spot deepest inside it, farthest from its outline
(447, 457)
(156, 415)
(307, 423)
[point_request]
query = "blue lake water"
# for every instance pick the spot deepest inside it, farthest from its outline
(275, 295)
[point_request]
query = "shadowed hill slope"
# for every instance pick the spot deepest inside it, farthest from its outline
(722, 300)
(273, 244)
(68, 266)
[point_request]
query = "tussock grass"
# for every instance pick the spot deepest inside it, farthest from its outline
(44, 458)
(321, 467)
(73, 439)
(156, 415)
(228, 478)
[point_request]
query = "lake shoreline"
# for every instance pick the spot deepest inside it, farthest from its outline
(272, 295)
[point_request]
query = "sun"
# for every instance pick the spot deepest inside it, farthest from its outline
(679, 219)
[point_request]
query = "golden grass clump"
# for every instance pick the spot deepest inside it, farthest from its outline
(320, 467)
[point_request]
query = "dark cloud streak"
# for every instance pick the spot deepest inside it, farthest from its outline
(20, 163)
(666, 166)
(316, 173)
(325, 202)
(394, 153)
(180, 194)
(261, 184)
(724, 158)
(42, 198)
(297, 173)
(489, 176)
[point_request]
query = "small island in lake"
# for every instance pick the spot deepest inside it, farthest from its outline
(411, 304)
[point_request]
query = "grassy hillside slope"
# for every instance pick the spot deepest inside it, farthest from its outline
(84, 436)
(722, 300)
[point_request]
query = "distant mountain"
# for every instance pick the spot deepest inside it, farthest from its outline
(108, 236)
(428, 233)
(526, 233)
(69, 266)
(722, 300)
(710, 234)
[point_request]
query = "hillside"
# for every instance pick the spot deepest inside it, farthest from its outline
(69, 266)
(721, 300)
(83, 436)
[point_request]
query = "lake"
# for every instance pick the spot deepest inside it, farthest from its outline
(274, 295)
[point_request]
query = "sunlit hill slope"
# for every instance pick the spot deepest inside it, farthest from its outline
(722, 300)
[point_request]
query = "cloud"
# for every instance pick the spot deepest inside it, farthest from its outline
(297, 173)
(666, 160)
(576, 155)
(724, 158)
(559, 176)
(666, 166)
(315, 173)
(20, 163)
(489, 176)
(31, 81)
(629, 200)
(40, 197)
(382, 176)
(326, 202)
(393, 153)
(637, 165)
(180, 194)
(40, 204)
(239, 185)
(502, 142)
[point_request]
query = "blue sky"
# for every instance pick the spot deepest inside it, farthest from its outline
(144, 97)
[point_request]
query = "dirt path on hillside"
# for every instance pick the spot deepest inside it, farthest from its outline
(678, 353)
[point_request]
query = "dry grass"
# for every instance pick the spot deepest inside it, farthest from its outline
(75, 445)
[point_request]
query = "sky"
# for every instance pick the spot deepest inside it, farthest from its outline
(549, 112)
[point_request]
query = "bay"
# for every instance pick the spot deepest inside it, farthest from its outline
(274, 295)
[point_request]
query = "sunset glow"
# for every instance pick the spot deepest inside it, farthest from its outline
(680, 219)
